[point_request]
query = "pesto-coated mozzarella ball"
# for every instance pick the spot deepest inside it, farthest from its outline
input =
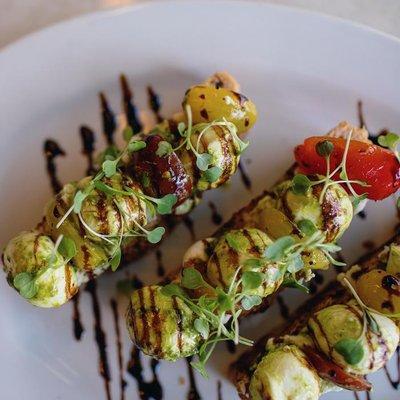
(218, 142)
(231, 252)
(345, 321)
(332, 215)
(209, 103)
(113, 215)
(284, 373)
(32, 252)
(92, 256)
(161, 326)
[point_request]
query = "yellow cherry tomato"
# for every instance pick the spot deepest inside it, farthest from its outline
(209, 103)
(380, 291)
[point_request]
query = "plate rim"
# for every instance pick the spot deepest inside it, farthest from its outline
(131, 8)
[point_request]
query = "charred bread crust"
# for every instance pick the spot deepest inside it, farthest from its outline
(334, 293)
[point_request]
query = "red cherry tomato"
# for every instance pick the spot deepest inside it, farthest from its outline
(374, 165)
(328, 370)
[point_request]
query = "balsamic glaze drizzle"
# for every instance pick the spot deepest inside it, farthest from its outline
(76, 318)
(216, 217)
(395, 383)
(147, 390)
(88, 139)
(193, 393)
(230, 346)
(52, 150)
(283, 308)
(100, 337)
(219, 390)
(129, 107)
(154, 103)
(245, 178)
(122, 382)
(160, 265)
(108, 119)
(190, 226)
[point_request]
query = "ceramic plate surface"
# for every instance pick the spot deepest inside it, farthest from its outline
(305, 72)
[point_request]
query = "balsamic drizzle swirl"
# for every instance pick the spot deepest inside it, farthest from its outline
(108, 119)
(88, 139)
(216, 217)
(244, 176)
(147, 390)
(100, 338)
(122, 382)
(154, 103)
(193, 393)
(51, 151)
(160, 264)
(76, 318)
(129, 107)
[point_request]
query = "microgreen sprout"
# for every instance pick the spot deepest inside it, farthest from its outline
(301, 183)
(391, 141)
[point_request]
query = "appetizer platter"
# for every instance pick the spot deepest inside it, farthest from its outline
(182, 229)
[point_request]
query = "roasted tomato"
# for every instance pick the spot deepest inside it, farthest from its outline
(161, 175)
(329, 371)
(374, 165)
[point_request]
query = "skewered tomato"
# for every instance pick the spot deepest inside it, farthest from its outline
(374, 165)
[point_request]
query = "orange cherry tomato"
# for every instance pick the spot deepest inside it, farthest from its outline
(374, 165)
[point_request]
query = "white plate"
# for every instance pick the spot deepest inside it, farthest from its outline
(305, 72)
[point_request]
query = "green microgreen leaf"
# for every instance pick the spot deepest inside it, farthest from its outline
(356, 200)
(136, 145)
(307, 227)
(127, 133)
(202, 326)
(25, 283)
(293, 283)
(224, 301)
(248, 302)
(276, 251)
(294, 264)
(389, 140)
(373, 325)
(301, 184)
(172, 289)
(351, 350)
(212, 174)
(324, 148)
(109, 167)
(166, 203)
(252, 280)
(232, 242)
(181, 128)
(192, 279)
(110, 190)
(203, 161)
(116, 259)
(343, 175)
(79, 197)
(254, 263)
(67, 248)
(155, 235)
(200, 367)
(164, 149)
